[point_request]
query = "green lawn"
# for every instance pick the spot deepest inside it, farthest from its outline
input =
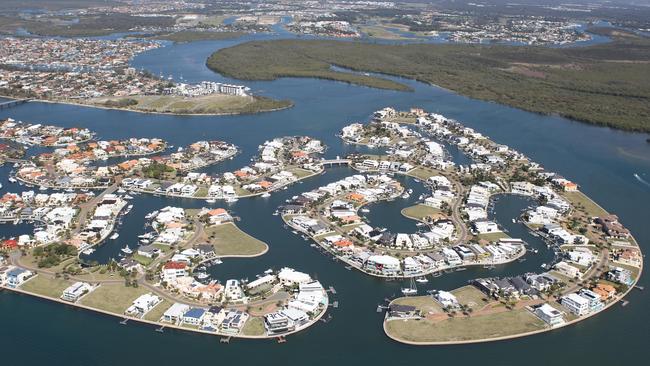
(493, 236)
(419, 212)
(254, 327)
(228, 239)
(145, 261)
(471, 296)
(422, 173)
(157, 312)
(461, 328)
(46, 286)
(579, 199)
(114, 298)
(299, 172)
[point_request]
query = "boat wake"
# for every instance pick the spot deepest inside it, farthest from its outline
(638, 177)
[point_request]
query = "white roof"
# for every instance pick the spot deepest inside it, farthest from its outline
(176, 311)
(384, 260)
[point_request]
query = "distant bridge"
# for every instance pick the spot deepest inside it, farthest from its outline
(337, 161)
(13, 103)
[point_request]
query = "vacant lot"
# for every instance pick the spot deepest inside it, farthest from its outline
(228, 239)
(46, 286)
(578, 199)
(493, 236)
(156, 313)
(463, 328)
(209, 104)
(254, 327)
(114, 298)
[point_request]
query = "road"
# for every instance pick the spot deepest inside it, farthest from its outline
(456, 215)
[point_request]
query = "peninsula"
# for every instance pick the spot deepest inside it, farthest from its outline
(598, 260)
(97, 73)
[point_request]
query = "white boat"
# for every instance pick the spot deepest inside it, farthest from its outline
(127, 250)
(42, 188)
(231, 199)
(411, 290)
(121, 190)
(406, 195)
(513, 221)
(202, 276)
(151, 214)
(211, 200)
(114, 236)
(127, 197)
(217, 261)
(12, 180)
(266, 195)
(421, 280)
(88, 251)
(365, 210)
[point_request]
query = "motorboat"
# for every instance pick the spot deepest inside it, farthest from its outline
(411, 290)
(421, 279)
(266, 195)
(211, 200)
(151, 215)
(126, 250)
(114, 236)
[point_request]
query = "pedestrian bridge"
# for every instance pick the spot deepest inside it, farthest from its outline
(337, 161)
(13, 103)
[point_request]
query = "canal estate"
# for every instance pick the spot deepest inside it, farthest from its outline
(438, 211)
(597, 260)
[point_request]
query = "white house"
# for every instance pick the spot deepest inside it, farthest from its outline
(549, 315)
(576, 304)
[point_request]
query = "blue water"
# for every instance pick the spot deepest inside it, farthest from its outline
(601, 160)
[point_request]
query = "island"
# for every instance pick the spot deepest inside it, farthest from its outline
(602, 80)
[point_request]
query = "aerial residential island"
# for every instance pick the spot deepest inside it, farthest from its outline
(328, 182)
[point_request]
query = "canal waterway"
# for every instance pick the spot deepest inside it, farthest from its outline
(601, 160)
